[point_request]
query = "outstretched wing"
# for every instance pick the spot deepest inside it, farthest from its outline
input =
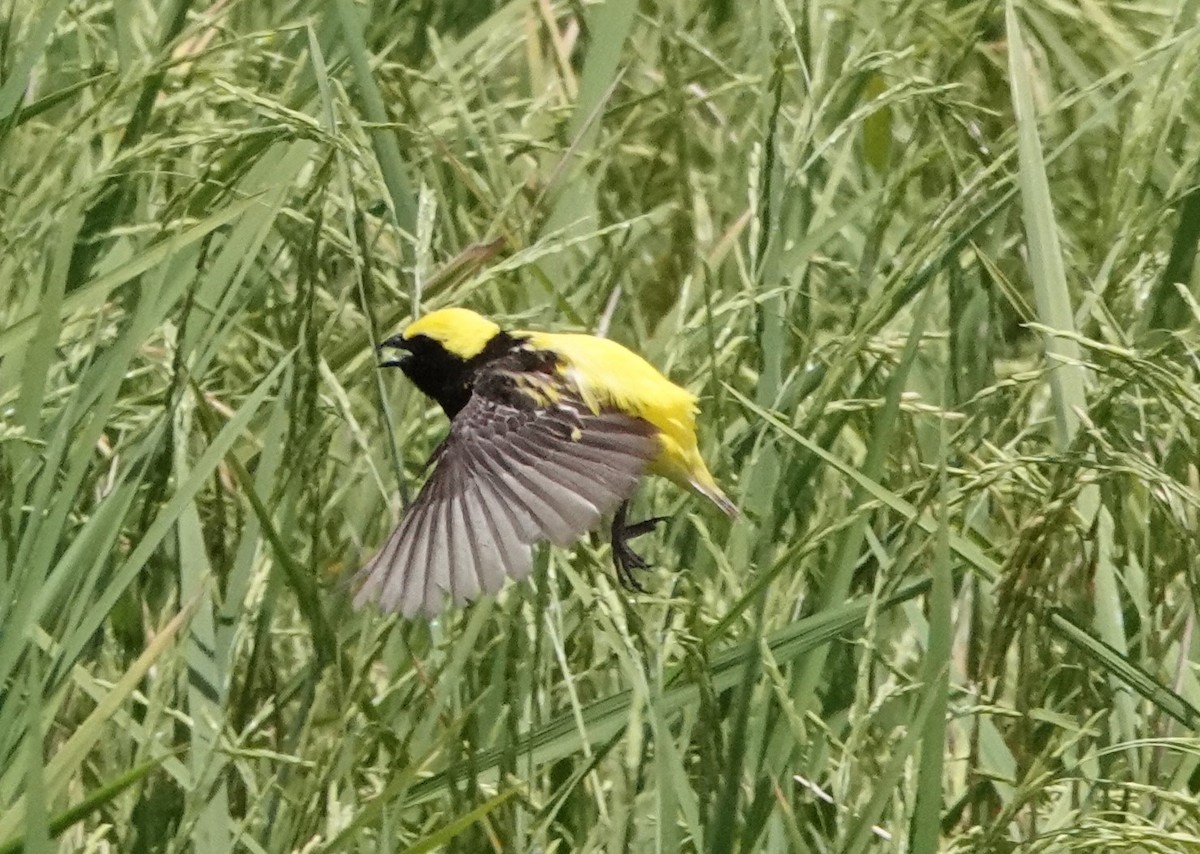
(510, 474)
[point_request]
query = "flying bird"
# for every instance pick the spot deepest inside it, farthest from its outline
(549, 433)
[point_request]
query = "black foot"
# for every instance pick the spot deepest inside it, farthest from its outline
(625, 559)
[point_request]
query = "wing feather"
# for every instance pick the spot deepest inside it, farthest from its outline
(410, 596)
(512, 529)
(509, 475)
(380, 583)
(555, 464)
(483, 532)
(397, 553)
(437, 571)
(496, 485)
(562, 496)
(544, 517)
(465, 532)
(394, 554)
(584, 475)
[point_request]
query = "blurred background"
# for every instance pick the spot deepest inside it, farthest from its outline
(930, 267)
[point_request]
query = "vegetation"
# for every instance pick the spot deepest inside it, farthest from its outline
(930, 266)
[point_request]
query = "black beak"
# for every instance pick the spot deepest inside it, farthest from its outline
(396, 342)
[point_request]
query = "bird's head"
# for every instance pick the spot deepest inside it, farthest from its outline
(441, 351)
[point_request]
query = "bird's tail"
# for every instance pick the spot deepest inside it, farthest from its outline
(681, 462)
(704, 484)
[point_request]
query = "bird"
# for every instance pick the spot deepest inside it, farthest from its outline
(549, 434)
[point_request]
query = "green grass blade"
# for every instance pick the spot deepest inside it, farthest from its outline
(97, 290)
(111, 203)
(837, 586)
(574, 208)
(74, 750)
(213, 830)
(302, 584)
(33, 44)
(96, 799)
(863, 826)
(458, 825)
(1118, 666)
(1046, 271)
(37, 827)
(926, 826)
(387, 149)
(168, 516)
(1068, 378)
(605, 718)
(963, 547)
(1165, 308)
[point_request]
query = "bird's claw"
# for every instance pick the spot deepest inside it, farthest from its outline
(625, 559)
(643, 527)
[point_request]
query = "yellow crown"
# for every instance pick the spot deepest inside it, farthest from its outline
(460, 330)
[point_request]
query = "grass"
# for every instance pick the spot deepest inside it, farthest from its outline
(930, 266)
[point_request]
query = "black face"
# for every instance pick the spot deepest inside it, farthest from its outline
(439, 374)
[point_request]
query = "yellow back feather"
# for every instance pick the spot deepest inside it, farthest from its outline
(460, 330)
(608, 374)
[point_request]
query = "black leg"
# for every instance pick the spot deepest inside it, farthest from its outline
(625, 559)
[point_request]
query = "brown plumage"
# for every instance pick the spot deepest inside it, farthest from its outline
(506, 477)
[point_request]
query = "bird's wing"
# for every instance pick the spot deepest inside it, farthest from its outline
(509, 474)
